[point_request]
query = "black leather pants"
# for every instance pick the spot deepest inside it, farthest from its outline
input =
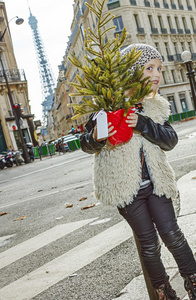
(147, 215)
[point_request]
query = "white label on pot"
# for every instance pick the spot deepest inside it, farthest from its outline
(102, 125)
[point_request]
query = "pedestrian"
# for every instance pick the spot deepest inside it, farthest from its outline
(137, 178)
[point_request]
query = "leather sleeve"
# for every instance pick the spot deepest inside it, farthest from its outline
(88, 144)
(162, 135)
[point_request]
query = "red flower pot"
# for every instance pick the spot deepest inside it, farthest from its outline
(124, 133)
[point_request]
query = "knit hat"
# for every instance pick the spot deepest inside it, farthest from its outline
(148, 53)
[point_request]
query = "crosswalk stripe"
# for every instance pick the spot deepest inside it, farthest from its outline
(49, 274)
(81, 184)
(13, 254)
(6, 237)
(53, 166)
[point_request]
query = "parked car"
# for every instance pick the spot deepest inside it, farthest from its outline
(71, 138)
(65, 144)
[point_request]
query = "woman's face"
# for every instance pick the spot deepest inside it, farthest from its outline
(153, 69)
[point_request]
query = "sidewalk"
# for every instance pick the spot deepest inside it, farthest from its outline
(136, 289)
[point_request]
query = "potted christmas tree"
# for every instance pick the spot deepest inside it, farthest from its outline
(107, 75)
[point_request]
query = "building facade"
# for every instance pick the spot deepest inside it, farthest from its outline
(17, 86)
(167, 25)
(61, 112)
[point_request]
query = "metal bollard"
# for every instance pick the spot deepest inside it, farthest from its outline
(151, 292)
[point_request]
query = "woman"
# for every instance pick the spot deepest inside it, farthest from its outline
(137, 177)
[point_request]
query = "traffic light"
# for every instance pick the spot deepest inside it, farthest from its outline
(18, 110)
(14, 127)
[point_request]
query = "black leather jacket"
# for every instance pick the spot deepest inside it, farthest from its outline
(162, 135)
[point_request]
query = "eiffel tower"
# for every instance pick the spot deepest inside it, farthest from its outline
(45, 71)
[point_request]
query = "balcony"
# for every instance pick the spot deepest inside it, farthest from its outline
(181, 7)
(147, 3)
(157, 4)
(173, 30)
(166, 5)
(180, 31)
(187, 31)
(13, 75)
(173, 6)
(177, 58)
(164, 30)
(193, 56)
(190, 7)
(113, 4)
(170, 57)
(133, 2)
(154, 30)
(140, 30)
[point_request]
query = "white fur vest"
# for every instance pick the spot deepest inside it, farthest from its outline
(117, 170)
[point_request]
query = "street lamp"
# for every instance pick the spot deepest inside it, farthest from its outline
(19, 21)
(23, 144)
(186, 57)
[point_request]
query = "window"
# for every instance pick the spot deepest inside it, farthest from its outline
(164, 78)
(184, 23)
(175, 49)
(193, 25)
(136, 17)
(183, 77)
(156, 4)
(183, 102)
(180, 5)
(173, 76)
(172, 104)
(190, 47)
(82, 31)
(169, 22)
(157, 47)
(160, 22)
(189, 7)
(167, 49)
(113, 4)
(165, 4)
(180, 30)
(182, 46)
(150, 21)
(177, 23)
(133, 2)
(173, 5)
(118, 22)
(147, 3)
(140, 30)
(172, 30)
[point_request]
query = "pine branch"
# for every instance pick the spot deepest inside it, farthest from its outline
(107, 75)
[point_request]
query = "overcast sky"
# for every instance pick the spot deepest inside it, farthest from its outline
(54, 22)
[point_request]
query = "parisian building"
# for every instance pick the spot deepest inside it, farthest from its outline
(13, 90)
(167, 25)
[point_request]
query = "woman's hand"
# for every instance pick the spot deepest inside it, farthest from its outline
(132, 119)
(110, 132)
(110, 128)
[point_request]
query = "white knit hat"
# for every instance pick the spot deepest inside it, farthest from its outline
(148, 53)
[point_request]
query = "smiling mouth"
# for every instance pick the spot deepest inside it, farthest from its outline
(155, 81)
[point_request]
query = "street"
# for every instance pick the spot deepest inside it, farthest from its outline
(56, 241)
